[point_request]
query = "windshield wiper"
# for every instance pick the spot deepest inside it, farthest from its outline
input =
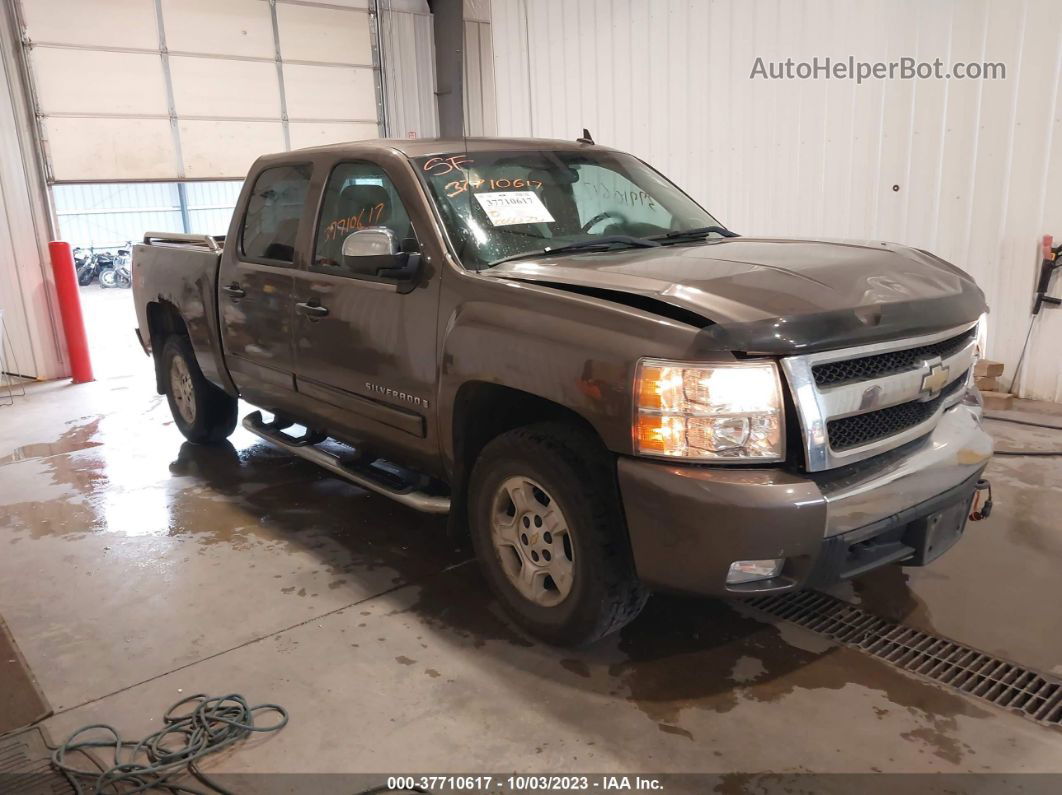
(695, 234)
(603, 243)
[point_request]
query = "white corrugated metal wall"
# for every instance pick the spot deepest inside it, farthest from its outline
(408, 54)
(480, 114)
(976, 164)
(210, 206)
(27, 302)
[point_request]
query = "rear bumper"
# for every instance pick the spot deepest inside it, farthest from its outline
(687, 524)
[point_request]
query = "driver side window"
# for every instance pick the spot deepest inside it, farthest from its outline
(358, 195)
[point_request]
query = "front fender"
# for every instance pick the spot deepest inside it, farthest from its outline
(577, 351)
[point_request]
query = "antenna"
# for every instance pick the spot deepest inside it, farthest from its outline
(586, 139)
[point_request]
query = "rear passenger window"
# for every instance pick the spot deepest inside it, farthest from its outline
(273, 213)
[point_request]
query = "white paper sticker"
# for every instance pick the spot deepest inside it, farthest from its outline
(508, 207)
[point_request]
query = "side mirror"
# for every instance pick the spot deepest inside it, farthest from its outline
(375, 251)
(373, 241)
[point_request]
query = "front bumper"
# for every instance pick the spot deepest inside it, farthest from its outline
(687, 524)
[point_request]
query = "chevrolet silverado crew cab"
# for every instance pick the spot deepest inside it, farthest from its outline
(611, 391)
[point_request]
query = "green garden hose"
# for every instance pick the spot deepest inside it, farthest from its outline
(152, 763)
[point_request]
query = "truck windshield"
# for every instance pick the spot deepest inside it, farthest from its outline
(501, 205)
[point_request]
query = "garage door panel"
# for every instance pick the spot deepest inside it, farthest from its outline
(330, 92)
(105, 150)
(222, 149)
(103, 81)
(116, 23)
(221, 27)
(218, 87)
(318, 134)
(305, 134)
(330, 35)
(87, 81)
(362, 4)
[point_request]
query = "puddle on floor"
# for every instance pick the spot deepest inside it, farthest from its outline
(226, 497)
(681, 656)
(80, 437)
(686, 656)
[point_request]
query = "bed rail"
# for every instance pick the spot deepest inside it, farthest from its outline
(170, 238)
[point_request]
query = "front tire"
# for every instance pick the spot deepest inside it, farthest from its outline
(202, 412)
(108, 278)
(550, 536)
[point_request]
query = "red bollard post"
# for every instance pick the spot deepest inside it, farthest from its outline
(70, 309)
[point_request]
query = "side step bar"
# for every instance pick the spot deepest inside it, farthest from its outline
(304, 448)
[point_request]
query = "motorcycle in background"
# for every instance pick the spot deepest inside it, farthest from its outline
(112, 268)
(84, 266)
(123, 266)
(106, 262)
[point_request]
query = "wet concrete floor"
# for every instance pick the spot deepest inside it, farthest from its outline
(135, 569)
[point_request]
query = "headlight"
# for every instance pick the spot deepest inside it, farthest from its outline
(980, 348)
(981, 351)
(723, 412)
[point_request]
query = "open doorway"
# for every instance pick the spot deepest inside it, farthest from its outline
(102, 221)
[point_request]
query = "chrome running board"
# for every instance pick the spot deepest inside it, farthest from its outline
(357, 473)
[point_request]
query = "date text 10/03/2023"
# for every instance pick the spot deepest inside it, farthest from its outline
(525, 783)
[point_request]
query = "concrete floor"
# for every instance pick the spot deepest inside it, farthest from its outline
(136, 569)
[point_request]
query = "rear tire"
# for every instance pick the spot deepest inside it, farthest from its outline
(108, 278)
(550, 536)
(202, 412)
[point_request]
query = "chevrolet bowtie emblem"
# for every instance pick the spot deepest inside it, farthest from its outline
(935, 380)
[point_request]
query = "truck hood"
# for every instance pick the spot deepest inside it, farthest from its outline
(774, 295)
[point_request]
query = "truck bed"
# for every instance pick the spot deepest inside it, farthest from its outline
(175, 275)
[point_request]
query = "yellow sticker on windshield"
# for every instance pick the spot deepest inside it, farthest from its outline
(510, 207)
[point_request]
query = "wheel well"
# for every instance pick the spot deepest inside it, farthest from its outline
(163, 319)
(484, 411)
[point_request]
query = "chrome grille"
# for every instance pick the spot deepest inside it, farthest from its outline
(880, 364)
(860, 429)
(859, 402)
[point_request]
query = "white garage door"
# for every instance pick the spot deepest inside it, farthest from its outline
(195, 89)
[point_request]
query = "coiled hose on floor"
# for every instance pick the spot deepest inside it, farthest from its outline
(152, 763)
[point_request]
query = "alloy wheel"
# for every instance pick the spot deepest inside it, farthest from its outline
(532, 540)
(183, 389)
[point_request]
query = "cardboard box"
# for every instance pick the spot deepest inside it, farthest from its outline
(987, 367)
(997, 401)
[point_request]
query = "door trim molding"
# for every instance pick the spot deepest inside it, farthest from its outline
(394, 416)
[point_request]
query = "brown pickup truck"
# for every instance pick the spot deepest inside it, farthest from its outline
(607, 388)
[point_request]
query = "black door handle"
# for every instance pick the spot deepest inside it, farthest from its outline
(235, 290)
(313, 310)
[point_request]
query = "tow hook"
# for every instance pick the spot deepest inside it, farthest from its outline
(979, 510)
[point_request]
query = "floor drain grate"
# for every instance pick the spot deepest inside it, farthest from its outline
(26, 765)
(1033, 694)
